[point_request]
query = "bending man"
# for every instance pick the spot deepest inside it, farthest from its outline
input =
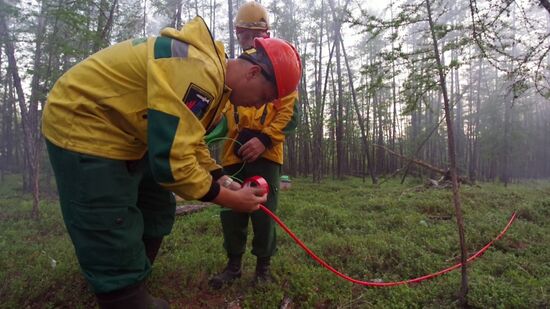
(125, 127)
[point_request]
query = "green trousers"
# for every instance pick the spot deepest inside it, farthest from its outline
(235, 224)
(109, 207)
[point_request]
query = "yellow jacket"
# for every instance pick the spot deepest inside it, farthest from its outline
(270, 123)
(154, 95)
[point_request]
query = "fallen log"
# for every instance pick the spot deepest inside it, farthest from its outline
(417, 162)
(446, 174)
(189, 209)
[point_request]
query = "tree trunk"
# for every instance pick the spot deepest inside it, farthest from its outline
(5, 122)
(459, 125)
(508, 105)
(144, 25)
(364, 137)
(340, 157)
(318, 118)
(305, 126)
(176, 19)
(104, 24)
(29, 118)
(475, 146)
(333, 131)
(452, 159)
(231, 31)
(393, 161)
(340, 147)
(381, 154)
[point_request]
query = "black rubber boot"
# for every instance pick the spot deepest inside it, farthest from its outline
(152, 246)
(263, 275)
(231, 272)
(135, 297)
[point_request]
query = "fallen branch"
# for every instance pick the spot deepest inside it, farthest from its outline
(436, 183)
(189, 209)
(417, 162)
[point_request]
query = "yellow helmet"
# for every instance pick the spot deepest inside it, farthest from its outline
(252, 15)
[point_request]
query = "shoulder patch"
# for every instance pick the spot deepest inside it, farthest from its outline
(197, 100)
(166, 48)
(163, 47)
(179, 49)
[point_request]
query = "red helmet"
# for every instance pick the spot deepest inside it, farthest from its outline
(286, 63)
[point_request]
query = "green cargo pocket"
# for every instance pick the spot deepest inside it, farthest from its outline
(99, 218)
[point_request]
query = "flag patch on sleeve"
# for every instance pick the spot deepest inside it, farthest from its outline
(197, 100)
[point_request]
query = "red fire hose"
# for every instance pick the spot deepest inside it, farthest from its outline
(257, 181)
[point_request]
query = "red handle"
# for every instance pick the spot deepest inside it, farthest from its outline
(257, 182)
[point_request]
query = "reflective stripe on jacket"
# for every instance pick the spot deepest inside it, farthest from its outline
(274, 120)
(155, 95)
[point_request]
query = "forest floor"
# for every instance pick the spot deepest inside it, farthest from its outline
(386, 233)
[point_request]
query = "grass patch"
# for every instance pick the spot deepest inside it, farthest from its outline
(392, 232)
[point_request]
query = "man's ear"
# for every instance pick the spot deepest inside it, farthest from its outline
(253, 72)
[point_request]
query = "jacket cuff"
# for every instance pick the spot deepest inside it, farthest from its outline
(265, 139)
(217, 174)
(212, 192)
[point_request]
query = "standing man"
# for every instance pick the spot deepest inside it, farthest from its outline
(260, 134)
(126, 126)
